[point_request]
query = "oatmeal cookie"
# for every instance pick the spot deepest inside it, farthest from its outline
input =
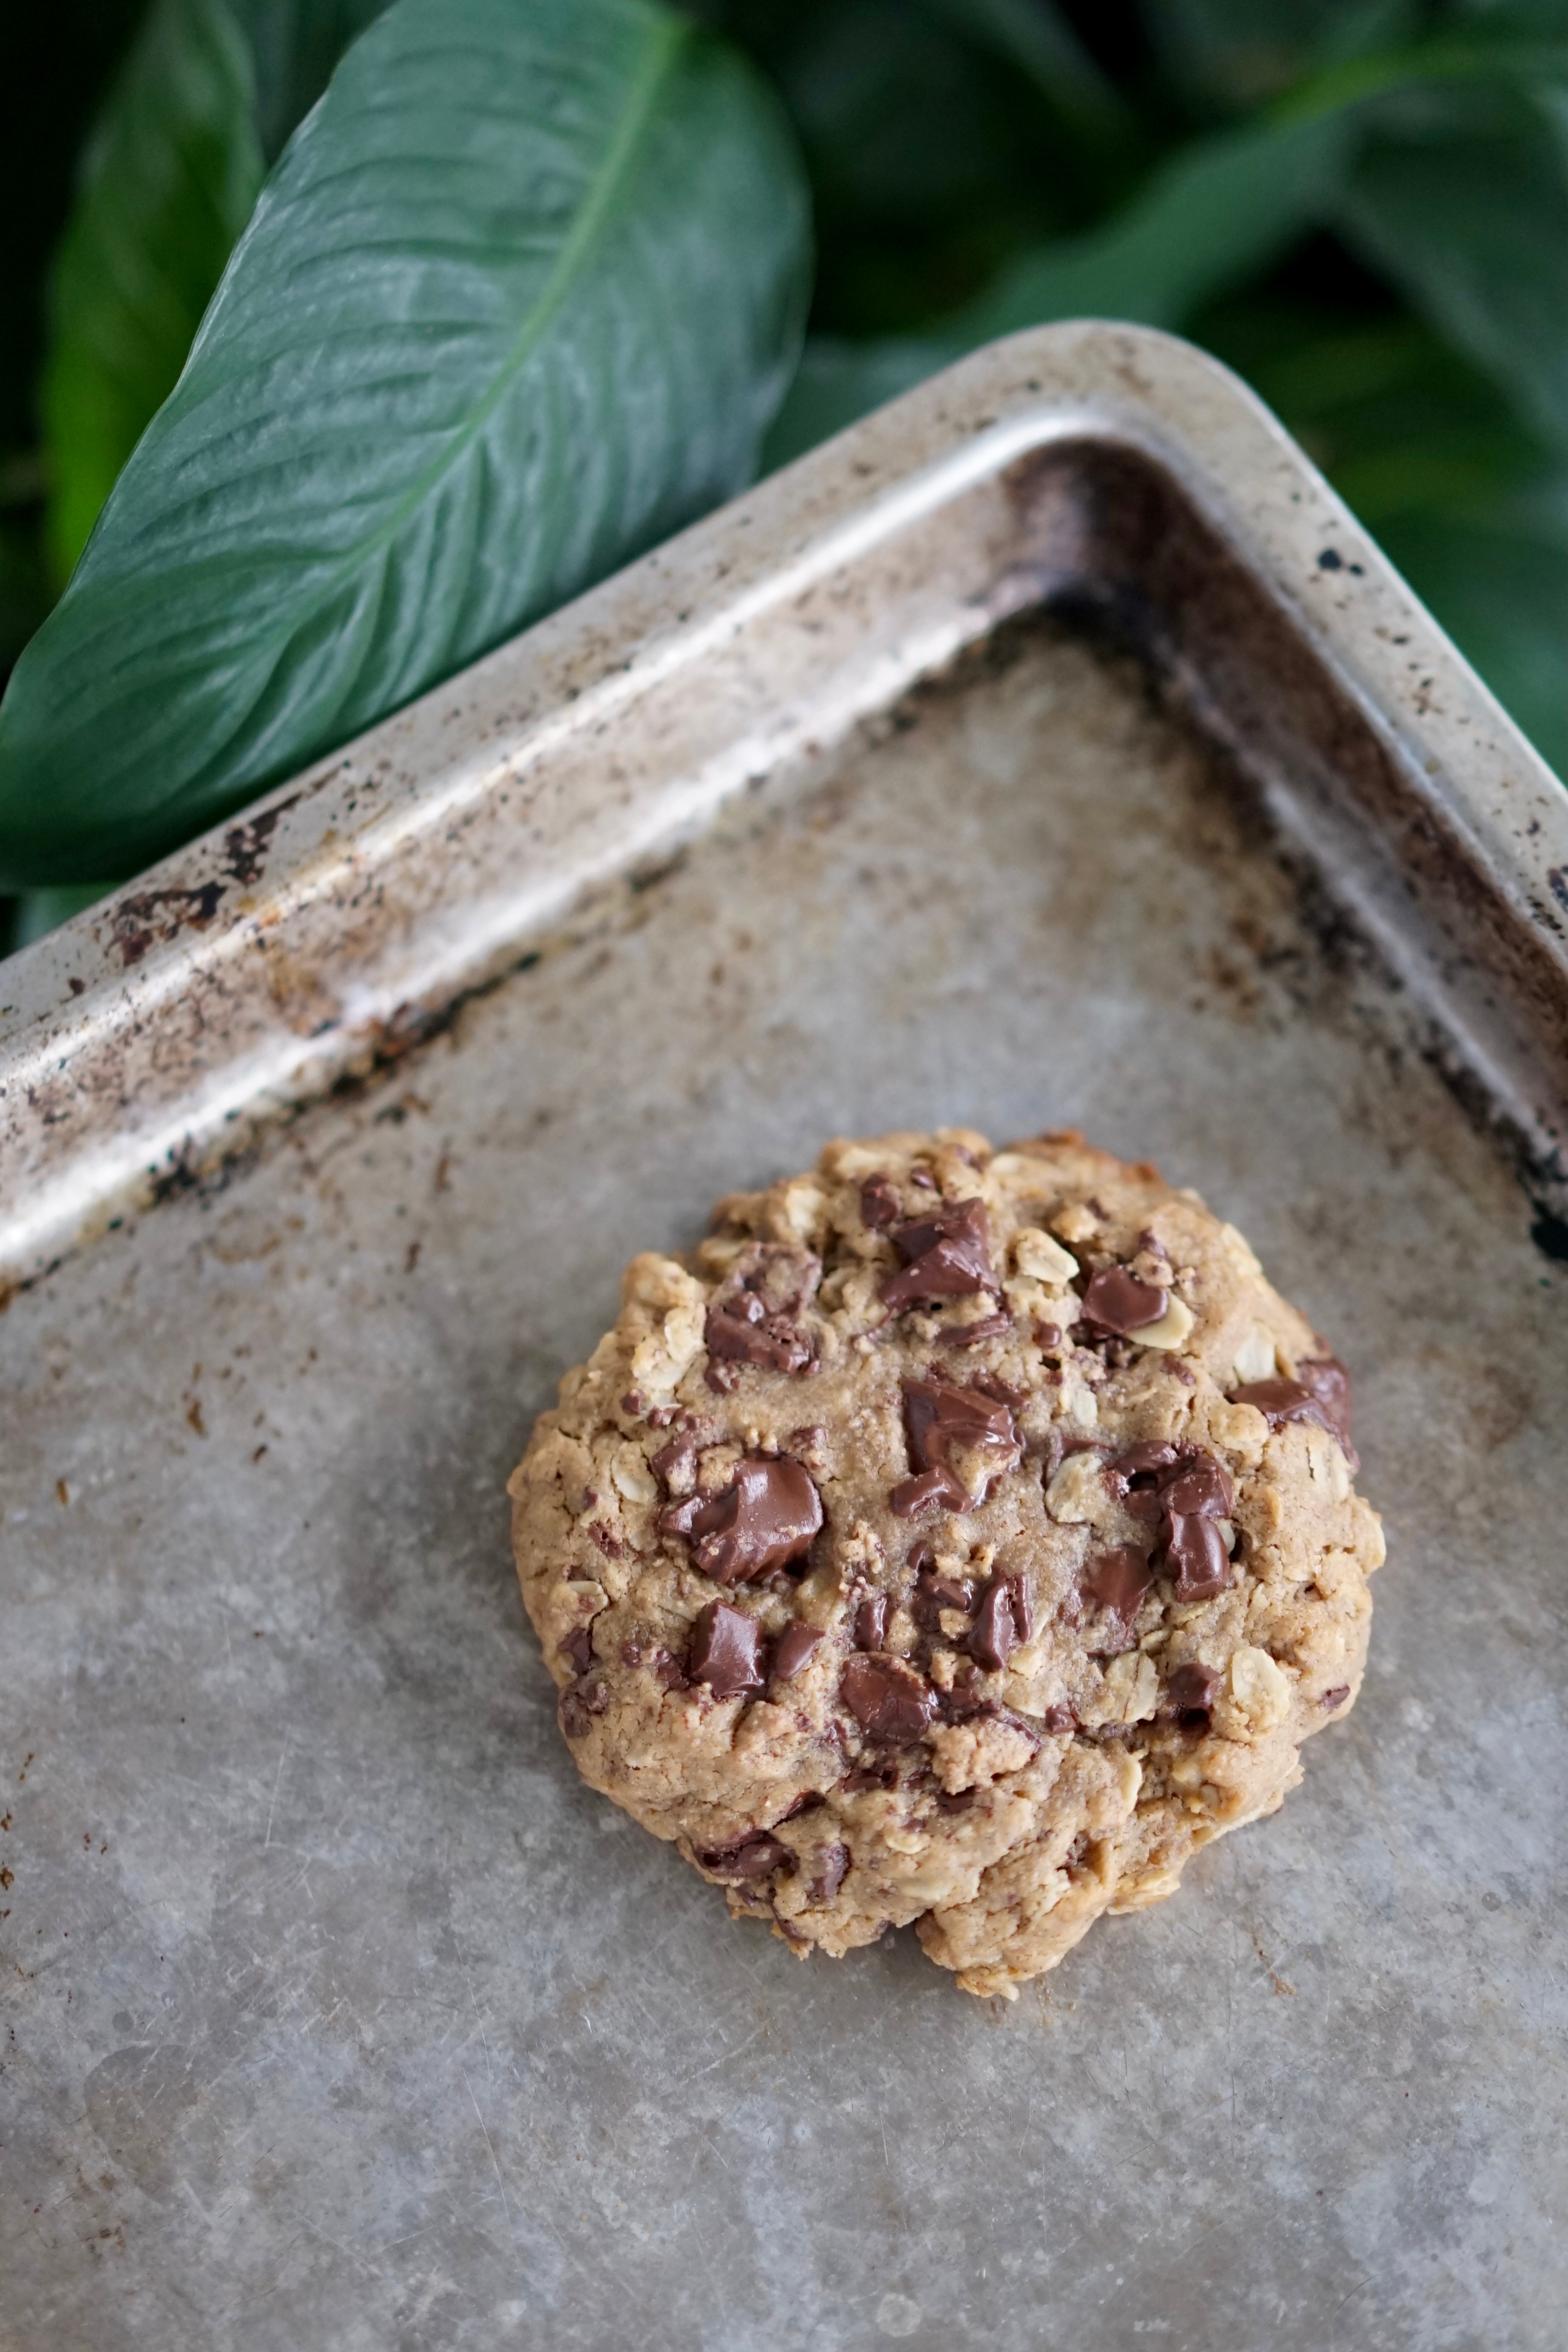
(956, 1536)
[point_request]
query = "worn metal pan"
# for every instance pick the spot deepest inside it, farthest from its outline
(1051, 749)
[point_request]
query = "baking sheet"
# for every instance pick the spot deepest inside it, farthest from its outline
(337, 2012)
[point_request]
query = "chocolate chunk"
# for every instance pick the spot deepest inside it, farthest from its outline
(1195, 1557)
(942, 1421)
(1189, 1697)
(921, 1557)
(925, 1178)
(1115, 1300)
(794, 1646)
(1319, 1393)
(745, 1333)
(750, 1320)
(609, 1542)
(676, 1461)
(1047, 1336)
(870, 1622)
(991, 1384)
(669, 1673)
(1004, 1622)
(1143, 1463)
(888, 1699)
(756, 1856)
(631, 1402)
(969, 1335)
(631, 1653)
(870, 1776)
(726, 1651)
(945, 1255)
(1117, 1580)
(763, 1521)
(932, 1593)
(579, 1647)
(1336, 1698)
(577, 1706)
(879, 1203)
(1199, 1488)
(832, 1863)
(1058, 1720)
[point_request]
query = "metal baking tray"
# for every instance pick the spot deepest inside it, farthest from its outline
(1052, 749)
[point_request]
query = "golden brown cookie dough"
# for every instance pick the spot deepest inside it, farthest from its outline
(956, 1536)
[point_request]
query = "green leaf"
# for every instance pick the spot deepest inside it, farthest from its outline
(295, 45)
(518, 301)
(169, 180)
(1468, 222)
(1038, 39)
(1217, 213)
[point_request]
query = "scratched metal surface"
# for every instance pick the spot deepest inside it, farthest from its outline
(340, 2015)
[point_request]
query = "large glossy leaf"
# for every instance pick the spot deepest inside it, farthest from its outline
(520, 299)
(169, 180)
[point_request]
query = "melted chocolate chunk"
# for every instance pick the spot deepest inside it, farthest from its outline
(577, 1706)
(888, 1699)
(945, 1255)
(870, 1622)
(1334, 1698)
(941, 1421)
(1116, 1301)
(870, 1776)
(669, 1673)
(678, 1459)
(832, 1863)
(1189, 1697)
(750, 1320)
(756, 1856)
(1321, 1392)
(1117, 1580)
(879, 1203)
(763, 1521)
(1199, 1487)
(1003, 1623)
(1058, 1720)
(932, 1593)
(579, 1647)
(1195, 1557)
(969, 1335)
(795, 1645)
(726, 1651)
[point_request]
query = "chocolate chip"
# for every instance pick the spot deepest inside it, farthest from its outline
(925, 1178)
(765, 1519)
(631, 1653)
(669, 1673)
(577, 1706)
(609, 1542)
(870, 1622)
(946, 1254)
(795, 1645)
(1199, 1488)
(991, 1384)
(969, 1335)
(943, 1420)
(756, 1856)
(726, 1651)
(807, 1802)
(579, 1647)
(745, 1333)
(1047, 1335)
(1115, 1300)
(1059, 1718)
(887, 1698)
(832, 1863)
(1189, 1697)
(870, 1776)
(677, 1461)
(1194, 1556)
(932, 1593)
(1004, 1622)
(1336, 1698)
(879, 1203)
(1321, 1392)
(631, 1402)
(1117, 1580)
(921, 1557)
(660, 1416)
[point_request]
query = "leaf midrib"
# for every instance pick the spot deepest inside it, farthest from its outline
(667, 36)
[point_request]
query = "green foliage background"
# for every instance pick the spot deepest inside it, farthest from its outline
(1360, 205)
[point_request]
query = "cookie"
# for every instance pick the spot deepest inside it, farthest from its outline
(956, 1536)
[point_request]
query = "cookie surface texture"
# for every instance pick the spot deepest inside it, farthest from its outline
(958, 1536)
